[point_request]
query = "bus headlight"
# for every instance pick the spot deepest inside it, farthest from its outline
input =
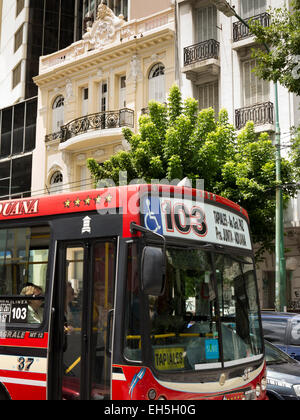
(152, 394)
(297, 390)
(258, 390)
(264, 384)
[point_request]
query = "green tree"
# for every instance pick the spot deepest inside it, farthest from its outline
(177, 141)
(295, 153)
(282, 62)
(249, 179)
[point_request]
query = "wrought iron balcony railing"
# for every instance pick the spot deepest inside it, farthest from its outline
(241, 31)
(100, 121)
(53, 137)
(260, 114)
(202, 51)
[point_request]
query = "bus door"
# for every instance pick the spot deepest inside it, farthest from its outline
(83, 317)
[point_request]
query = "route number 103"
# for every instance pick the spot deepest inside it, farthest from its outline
(19, 313)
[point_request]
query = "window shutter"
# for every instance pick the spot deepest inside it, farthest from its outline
(58, 114)
(209, 96)
(161, 91)
(152, 89)
(103, 94)
(85, 101)
(255, 90)
(122, 99)
(206, 24)
(56, 183)
(250, 8)
(157, 84)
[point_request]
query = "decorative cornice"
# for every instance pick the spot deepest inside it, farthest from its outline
(100, 58)
(109, 38)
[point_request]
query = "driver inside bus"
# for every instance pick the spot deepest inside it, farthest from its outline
(35, 310)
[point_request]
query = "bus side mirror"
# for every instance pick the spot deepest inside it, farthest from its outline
(153, 271)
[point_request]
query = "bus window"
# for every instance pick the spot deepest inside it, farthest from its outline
(74, 265)
(132, 315)
(239, 309)
(89, 305)
(23, 270)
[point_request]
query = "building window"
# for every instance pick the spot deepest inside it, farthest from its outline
(119, 7)
(17, 75)
(208, 96)
(56, 183)
(103, 96)
(20, 6)
(157, 83)
(250, 8)
(255, 90)
(15, 178)
(85, 101)
(58, 114)
(18, 38)
(18, 128)
(206, 24)
(122, 96)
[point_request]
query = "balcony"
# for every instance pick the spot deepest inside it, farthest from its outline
(53, 137)
(202, 58)
(202, 51)
(261, 114)
(92, 130)
(100, 121)
(241, 31)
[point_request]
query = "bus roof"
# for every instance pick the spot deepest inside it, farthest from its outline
(100, 199)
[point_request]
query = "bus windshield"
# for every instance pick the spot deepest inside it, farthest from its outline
(204, 320)
(208, 316)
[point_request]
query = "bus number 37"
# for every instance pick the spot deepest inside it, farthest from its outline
(24, 364)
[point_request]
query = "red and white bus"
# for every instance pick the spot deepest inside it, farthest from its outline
(128, 293)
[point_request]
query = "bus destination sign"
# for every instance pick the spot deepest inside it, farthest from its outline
(195, 221)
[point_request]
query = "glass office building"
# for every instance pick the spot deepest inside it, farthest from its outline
(46, 26)
(53, 25)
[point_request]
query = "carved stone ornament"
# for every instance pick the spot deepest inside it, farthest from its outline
(135, 68)
(69, 91)
(104, 29)
(104, 12)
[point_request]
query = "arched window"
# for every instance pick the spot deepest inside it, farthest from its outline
(56, 183)
(157, 83)
(58, 113)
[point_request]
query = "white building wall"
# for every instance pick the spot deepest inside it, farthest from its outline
(230, 87)
(8, 59)
(231, 94)
(229, 68)
(186, 38)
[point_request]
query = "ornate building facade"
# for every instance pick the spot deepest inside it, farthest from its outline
(92, 89)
